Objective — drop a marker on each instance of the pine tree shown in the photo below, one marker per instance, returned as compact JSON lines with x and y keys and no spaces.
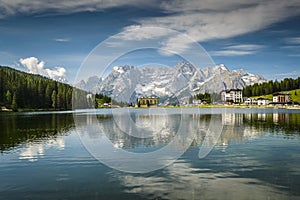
{"x":8,"y":97}
{"x":48,"y":93}
{"x":54,"y":99}
{"x":14,"y":105}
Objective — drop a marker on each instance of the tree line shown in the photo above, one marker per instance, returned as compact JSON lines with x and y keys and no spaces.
{"x":20,"y":90}
{"x":203,"y":97}
{"x":271,"y":87}
{"x":206,"y":97}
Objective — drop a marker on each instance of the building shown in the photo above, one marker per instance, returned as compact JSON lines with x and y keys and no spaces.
{"x":251,"y":101}
{"x":232,"y":96}
{"x":147,"y":101}
{"x":197,"y":101}
{"x":281,"y":98}
{"x":248,"y":101}
{"x":262,"y":101}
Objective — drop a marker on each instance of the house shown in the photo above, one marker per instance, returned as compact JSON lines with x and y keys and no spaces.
{"x":147,"y":101}
{"x":281,"y":98}
{"x":197,"y":101}
{"x":248,"y":101}
{"x":232,"y":96}
{"x":262,"y":101}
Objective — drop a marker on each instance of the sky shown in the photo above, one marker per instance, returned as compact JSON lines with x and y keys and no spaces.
{"x":71,"y":38}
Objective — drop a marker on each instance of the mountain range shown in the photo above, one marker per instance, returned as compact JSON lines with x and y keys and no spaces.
{"x":174,"y":83}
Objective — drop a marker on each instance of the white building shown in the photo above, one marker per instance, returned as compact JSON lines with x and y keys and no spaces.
{"x":251,"y":101}
{"x":232,"y":96}
{"x":281,"y":98}
{"x":262,"y":101}
{"x":248,"y":101}
{"x":197,"y":101}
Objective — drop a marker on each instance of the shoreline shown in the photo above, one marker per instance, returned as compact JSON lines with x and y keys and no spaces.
{"x":295,"y":107}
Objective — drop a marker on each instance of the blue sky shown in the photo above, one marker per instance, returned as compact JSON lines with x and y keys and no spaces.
{"x":262,"y":37}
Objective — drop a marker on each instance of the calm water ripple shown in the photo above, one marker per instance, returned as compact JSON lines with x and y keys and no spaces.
{"x":257,"y":156}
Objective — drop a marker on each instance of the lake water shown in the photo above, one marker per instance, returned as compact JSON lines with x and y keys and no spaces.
{"x":255,"y":154}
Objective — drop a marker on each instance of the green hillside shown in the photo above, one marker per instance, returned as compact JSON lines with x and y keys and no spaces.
{"x":265,"y":90}
{"x":295,"y":95}
{"x":287,"y":84}
{"x":20,"y":90}
{"x":23,"y":91}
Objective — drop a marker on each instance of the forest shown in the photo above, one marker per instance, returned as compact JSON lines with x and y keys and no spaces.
{"x":271,"y":87}
{"x":20,"y":90}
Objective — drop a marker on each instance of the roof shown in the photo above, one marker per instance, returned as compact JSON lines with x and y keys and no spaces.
{"x":229,"y":90}
{"x":276,"y":94}
{"x":147,"y":97}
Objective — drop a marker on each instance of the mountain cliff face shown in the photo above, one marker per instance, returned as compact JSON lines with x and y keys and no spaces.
{"x":175,"y":83}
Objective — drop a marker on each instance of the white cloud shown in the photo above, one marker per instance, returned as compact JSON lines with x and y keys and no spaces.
{"x":34,"y":66}
{"x":12,"y":7}
{"x":231,"y":53}
{"x":293,"y":40}
{"x":216,"y":19}
{"x":139,"y":33}
{"x":291,"y":74}
{"x":245,"y":47}
{"x":290,"y":47}
{"x":238,"y":50}
{"x":61,"y":39}
{"x":202,"y":20}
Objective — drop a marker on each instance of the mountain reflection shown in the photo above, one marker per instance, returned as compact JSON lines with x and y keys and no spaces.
{"x":158,"y":130}
{"x":149,"y":130}
{"x":152,"y":130}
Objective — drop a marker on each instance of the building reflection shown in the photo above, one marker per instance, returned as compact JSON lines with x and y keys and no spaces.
{"x":148,"y":130}
{"x":280,"y":118}
{"x":158,"y":130}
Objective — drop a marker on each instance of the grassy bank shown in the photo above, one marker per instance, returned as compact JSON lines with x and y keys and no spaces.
{"x":295,"y":95}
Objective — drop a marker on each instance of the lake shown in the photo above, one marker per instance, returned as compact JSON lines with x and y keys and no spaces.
{"x":154,"y":153}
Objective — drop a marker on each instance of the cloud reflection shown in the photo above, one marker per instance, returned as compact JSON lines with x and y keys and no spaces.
{"x":182,"y":181}
{"x":33,"y":151}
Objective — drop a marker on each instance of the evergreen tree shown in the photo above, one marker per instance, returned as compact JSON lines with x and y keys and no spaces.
{"x":8,"y":98}
{"x":48,"y":93}
{"x":271,"y":87}
{"x":14,"y":105}
{"x":54,"y":99}
{"x":33,"y":91}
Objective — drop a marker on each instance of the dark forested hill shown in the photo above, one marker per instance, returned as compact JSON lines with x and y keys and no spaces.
{"x":271,"y":87}
{"x":20,"y":90}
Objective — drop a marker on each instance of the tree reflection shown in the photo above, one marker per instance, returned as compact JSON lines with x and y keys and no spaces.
{"x":20,"y":128}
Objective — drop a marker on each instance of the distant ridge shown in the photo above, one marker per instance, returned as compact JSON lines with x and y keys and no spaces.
{"x":126,"y":83}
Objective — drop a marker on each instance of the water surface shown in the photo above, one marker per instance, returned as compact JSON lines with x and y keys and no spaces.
{"x":257,"y":155}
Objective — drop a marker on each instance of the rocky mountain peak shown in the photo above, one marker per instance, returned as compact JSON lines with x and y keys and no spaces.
{"x":126,"y":83}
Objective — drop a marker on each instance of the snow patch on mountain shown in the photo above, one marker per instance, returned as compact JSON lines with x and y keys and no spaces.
{"x":174,"y":83}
